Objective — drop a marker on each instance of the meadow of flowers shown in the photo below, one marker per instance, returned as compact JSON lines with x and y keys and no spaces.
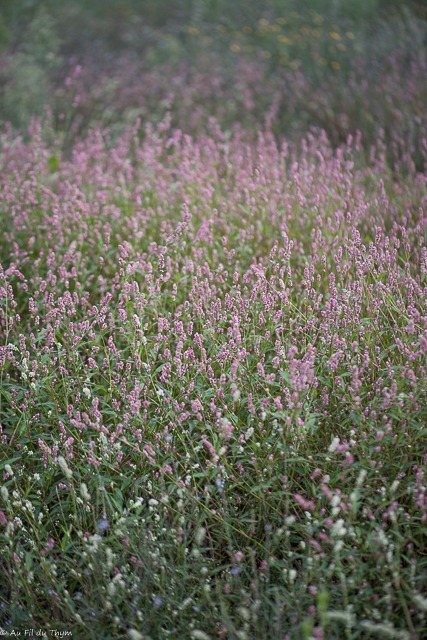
{"x":334,"y":66}
{"x":212,"y":387}
{"x":213,"y":323}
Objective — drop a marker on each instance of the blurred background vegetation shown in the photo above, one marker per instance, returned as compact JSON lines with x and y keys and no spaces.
{"x":336,"y":65}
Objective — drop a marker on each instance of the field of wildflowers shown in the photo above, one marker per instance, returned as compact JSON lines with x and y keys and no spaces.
{"x":213,"y":340}
{"x":335,"y":66}
{"x":213,"y":390}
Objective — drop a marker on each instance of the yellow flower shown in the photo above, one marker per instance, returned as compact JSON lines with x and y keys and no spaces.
{"x":281,"y":21}
{"x":341,"y":46}
{"x":350,"y":35}
{"x":235,"y":47}
{"x":284,"y":40}
{"x":335,"y":65}
{"x":334,"y":35}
